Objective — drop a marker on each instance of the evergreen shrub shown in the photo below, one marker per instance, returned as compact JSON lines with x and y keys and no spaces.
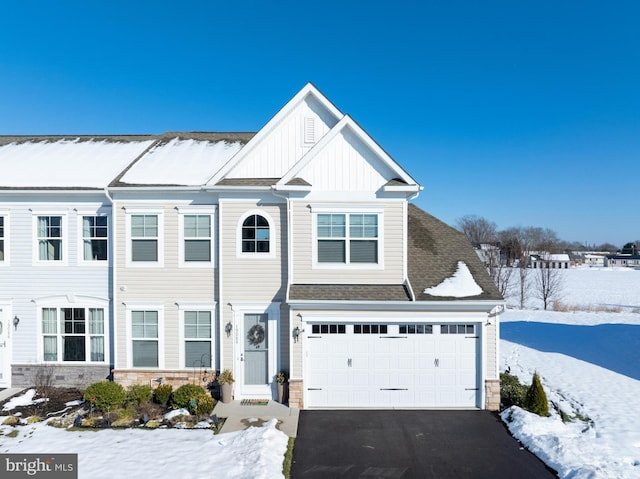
{"x":162,"y":394}
{"x":105,"y":395}
{"x":183,"y":396}
{"x":536,"y":399}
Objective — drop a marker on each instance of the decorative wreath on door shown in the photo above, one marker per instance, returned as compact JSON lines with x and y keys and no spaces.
{"x":256,"y":335}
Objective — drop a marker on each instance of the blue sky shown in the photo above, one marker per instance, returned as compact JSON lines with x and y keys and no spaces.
{"x":526,"y":113}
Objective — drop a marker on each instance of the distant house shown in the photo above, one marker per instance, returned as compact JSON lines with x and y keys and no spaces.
{"x":622,"y":261}
{"x":553,"y":261}
{"x":593,"y":259}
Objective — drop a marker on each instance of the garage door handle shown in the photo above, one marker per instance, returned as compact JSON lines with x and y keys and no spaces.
{"x":314,"y":389}
{"x":393,"y":337}
{"x":471,"y":389}
{"x":436,"y":362}
{"x":394,"y":389}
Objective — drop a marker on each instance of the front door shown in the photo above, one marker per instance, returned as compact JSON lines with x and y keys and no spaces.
{"x":5,"y":361}
{"x":256,"y":364}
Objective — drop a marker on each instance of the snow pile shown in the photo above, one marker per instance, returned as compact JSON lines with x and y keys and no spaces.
{"x":181,"y":162}
{"x":25,"y":399}
{"x":460,"y":285}
{"x":251,"y":454}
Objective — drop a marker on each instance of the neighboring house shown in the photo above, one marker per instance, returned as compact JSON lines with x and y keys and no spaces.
{"x":622,"y":261}
{"x":592,"y":259}
{"x":296,"y":248}
{"x":489,"y":254}
{"x":55,"y":260}
{"x":553,"y":261}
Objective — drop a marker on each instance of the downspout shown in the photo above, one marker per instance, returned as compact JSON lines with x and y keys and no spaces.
{"x":405,"y":273}
{"x":289,"y":273}
{"x":113,"y":282}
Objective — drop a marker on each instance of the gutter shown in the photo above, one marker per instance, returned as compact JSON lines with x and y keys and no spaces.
{"x":485,"y":306}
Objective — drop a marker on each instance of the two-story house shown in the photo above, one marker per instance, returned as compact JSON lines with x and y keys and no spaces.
{"x":296,"y":248}
{"x":55,"y":256}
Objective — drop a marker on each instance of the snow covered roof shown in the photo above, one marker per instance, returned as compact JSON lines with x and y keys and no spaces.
{"x":67,"y":162}
{"x":184,"y":159}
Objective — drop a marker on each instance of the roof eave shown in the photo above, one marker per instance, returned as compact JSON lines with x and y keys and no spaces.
{"x":484,"y":306}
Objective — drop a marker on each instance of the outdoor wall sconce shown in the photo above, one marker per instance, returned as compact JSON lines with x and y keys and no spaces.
{"x":228,"y":328}
{"x":16,"y":321}
{"x":296,"y":333}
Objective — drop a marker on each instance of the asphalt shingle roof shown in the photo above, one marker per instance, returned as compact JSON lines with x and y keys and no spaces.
{"x":348,"y":292}
{"x":434,"y":249}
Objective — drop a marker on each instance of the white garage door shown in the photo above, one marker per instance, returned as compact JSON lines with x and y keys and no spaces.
{"x":428,"y":365}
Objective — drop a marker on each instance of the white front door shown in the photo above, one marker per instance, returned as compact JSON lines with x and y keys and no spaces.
{"x":256,"y":352}
{"x":5,"y":359}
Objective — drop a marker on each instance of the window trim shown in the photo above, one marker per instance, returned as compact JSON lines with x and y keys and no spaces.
{"x":182,"y":308}
{"x":81,"y":213}
{"x":136,"y":306}
{"x":64,"y":248}
{"x":5,"y":237}
{"x":63,"y":302}
{"x":198,"y":210}
{"x":347,"y":211}
{"x":272,"y":236}
{"x":140,"y":210}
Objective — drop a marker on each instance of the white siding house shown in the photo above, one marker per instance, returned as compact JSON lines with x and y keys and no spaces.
{"x":293,"y":248}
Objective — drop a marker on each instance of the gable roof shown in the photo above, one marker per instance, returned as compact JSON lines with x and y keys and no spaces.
{"x":308,"y":90}
{"x":403,"y":179}
{"x":434,"y":250}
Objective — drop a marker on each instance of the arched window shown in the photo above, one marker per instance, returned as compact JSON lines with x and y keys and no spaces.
{"x":255,"y":234}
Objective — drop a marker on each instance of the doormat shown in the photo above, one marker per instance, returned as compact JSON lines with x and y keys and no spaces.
{"x":254,"y":402}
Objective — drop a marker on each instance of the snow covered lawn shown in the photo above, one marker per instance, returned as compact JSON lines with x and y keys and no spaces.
{"x":177,"y":453}
{"x":589,"y":364}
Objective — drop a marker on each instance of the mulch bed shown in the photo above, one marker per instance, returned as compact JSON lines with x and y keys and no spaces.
{"x":56,"y":405}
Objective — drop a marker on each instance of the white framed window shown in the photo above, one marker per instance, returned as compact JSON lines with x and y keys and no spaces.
{"x":4,"y":239}
{"x":198,"y":327}
{"x":95,"y":238}
{"x":50,"y":237}
{"x":256,"y":235}
{"x":196,"y":247}
{"x":145,"y":337}
{"x":145,"y":237}
{"x":347,"y":238}
{"x":73,"y":334}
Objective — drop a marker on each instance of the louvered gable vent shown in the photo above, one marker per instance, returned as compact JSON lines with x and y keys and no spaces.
{"x":309,"y":130}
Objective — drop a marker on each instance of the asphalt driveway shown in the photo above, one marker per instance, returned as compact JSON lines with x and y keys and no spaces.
{"x":410,"y":444}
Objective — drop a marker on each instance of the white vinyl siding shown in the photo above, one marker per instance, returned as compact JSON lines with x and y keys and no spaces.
{"x":176,"y":281}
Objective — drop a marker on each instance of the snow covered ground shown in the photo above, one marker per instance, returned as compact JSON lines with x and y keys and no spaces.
{"x":589,"y":364}
{"x":257,"y":452}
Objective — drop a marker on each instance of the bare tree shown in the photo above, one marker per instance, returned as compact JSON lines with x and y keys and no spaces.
{"x":501,"y":275}
{"x":477,"y":229}
{"x":548,"y":282}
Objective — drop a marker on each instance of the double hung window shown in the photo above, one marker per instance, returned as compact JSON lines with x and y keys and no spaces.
{"x":49,"y":231}
{"x":197,"y":339}
{"x":95,"y":231}
{"x":145,"y":339}
{"x":197,"y":238}
{"x":347,"y":238}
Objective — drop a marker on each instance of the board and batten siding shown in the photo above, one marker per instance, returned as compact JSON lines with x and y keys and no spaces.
{"x":252,"y":278}
{"x":392,"y":237}
{"x":286,"y":144}
{"x":168,"y":285}
{"x":26,"y":284}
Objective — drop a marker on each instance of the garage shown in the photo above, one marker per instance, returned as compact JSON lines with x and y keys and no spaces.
{"x":392,"y":365}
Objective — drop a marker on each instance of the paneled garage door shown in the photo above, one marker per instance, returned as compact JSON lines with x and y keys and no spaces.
{"x":428,"y":365}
